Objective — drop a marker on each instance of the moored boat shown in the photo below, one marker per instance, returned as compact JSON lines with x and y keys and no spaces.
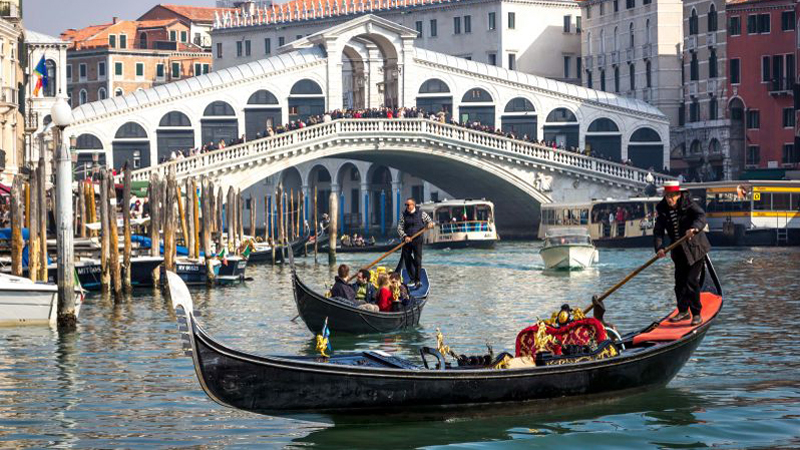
{"x":227,"y":271}
{"x":371,"y":381}
{"x":23,"y":302}
{"x":568,"y":248}
{"x":461,"y":224}
{"x":89,"y":272}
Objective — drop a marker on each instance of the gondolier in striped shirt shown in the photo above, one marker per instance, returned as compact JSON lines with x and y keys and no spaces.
{"x":678,"y":215}
{"x":411,"y":222}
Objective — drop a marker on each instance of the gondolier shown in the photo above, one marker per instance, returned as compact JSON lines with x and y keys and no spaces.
{"x":411,"y":222}
{"x":679,"y":216}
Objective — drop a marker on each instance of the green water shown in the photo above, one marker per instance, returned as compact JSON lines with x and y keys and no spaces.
{"x":121,"y":379}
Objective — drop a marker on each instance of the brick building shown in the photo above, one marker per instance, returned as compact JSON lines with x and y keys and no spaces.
{"x":126,"y":55}
{"x":761,"y":47}
{"x":199,"y":20}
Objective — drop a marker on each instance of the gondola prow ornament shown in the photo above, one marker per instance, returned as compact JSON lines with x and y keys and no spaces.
{"x":323,"y":341}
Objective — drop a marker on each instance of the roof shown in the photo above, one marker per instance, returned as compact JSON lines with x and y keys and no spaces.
{"x":573,"y":90}
{"x":194,"y":84}
{"x":155,"y":23}
{"x":196,"y":13}
{"x":33,"y":37}
{"x":83,"y":33}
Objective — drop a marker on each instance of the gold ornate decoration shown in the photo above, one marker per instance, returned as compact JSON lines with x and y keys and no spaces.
{"x":577,"y":314}
{"x":607,"y":352}
{"x":443,"y":349}
{"x":322,"y":345}
{"x":543,"y":341}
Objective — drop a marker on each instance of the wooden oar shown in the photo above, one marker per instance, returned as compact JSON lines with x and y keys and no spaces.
{"x":598,"y":300}
{"x":396,"y":248}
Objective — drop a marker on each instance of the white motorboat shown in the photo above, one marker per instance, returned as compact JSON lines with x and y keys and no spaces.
{"x":23,"y":302}
{"x":568,"y":248}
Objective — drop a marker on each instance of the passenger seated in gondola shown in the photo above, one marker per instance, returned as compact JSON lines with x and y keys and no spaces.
{"x":400,"y":296}
{"x":340,"y":287}
{"x":365,"y":291}
{"x":384,"y":296}
{"x":346,"y":240}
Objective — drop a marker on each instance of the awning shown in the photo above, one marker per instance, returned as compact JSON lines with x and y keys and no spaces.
{"x":5,"y":190}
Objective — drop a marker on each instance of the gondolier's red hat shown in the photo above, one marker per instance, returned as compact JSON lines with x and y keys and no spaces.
{"x":672,"y":186}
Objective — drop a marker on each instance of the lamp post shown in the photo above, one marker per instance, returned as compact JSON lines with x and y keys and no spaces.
{"x":61,"y":114}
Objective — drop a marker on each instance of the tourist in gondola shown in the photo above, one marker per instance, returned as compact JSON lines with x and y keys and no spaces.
{"x":399,"y":290}
{"x":384,"y":296}
{"x":679,"y":216}
{"x":365,"y":291}
{"x":411,"y":222}
{"x":340,"y":287}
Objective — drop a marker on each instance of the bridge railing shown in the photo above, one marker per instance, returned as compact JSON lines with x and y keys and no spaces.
{"x":229,"y":157}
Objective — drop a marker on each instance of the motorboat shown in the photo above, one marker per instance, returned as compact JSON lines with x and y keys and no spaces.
{"x":24,"y":302}
{"x":568,"y":248}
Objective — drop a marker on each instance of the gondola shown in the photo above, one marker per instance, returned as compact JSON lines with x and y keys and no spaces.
{"x":300,"y":247}
{"x":193,"y":271}
{"x":380,"y":247}
{"x":372,"y":381}
{"x":343,"y":317}
{"x":89,"y":272}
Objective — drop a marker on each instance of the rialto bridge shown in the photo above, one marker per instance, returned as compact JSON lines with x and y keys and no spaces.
{"x":370,"y":62}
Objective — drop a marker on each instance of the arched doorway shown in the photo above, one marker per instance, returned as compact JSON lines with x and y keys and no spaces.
{"x":561,"y":127}
{"x":433,"y":98}
{"x":604,"y":140}
{"x":349,"y":182}
{"x":306,"y":100}
{"x":174,"y":133}
{"x":90,"y":155}
{"x":477,"y":105}
{"x":132,"y":145}
{"x":645,"y":149}
{"x":320,"y":178}
{"x":519,"y":117}
{"x":219,"y":123}
{"x":736,"y":143}
{"x":353,"y":77}
{"x":262,"y":112}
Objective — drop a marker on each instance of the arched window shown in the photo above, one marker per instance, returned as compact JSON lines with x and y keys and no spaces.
{"x":143,"y":40}
{"x":262,"y":97}
{"x":648,"y":68}
{"x":561,"y":115}
{"x":589,"y":42}
{"x":603,"y":125}
{"x":83,"y":97}
{"x":631,"y":40}
{"x":714,"y":147}
{"x":219,"y":108}
{"x":88,"y":141}
{"x":647,"y":36}
{"x":50,"y":90}
{"x":695,"y":148}
{"x":434,"y":86}
{"x":476,"y":95}
{"x":519,"y":105}
{"x":712,"y":64}
{"x":101,"y":94}
{"x":118,"y":92}
{"x":616,"y":79}
{"x":693,"y":22}
{"x":47,"y":120}
{"x":131,"y":130}
{"x":712,"y":108}
{"x":602,"y":41}
{"x":645,"y":134}
{"x":175,"y":119}
{"x":632,"y":72}
{"x":602,"y":79}
{"x":306,"y":87}
{"x":616,"y":38}
{"x":712,"y":18}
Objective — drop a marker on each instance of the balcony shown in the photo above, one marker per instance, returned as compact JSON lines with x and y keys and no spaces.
{"x":629,"y":55}
{"x":713,"y":86}
{"x":601,"y":61}
{"x":711,"y":38}
{"x":615,"y":57}
{"x":781,"y":86}
{"x":647,"y":50}
{"x":691,"y":42}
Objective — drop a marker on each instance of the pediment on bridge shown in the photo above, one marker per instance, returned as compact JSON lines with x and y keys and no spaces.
{"x":363,"y":25}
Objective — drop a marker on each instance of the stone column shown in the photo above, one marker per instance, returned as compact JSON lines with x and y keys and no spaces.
{"x":374,"y":77}
{"x":308,"y":216}
{"x":334,"y":74}
{"x":365,"y":206}
{"x":397,"y":201}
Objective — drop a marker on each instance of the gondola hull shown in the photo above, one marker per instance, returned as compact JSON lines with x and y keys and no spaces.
{"x":314,"y":309}
{"x":89,"y":272}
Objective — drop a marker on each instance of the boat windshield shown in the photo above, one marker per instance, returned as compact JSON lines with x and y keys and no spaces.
{"x":464,"y":218}
{"x":564,"y":236}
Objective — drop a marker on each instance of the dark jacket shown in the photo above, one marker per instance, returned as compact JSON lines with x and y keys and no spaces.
{"x":342,"y":290}
{"x":411,"y":223}
{"x":369,"y":292}
{"x":690,"y":215}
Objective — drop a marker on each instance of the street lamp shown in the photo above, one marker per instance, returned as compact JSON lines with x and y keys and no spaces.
{"x":61,"y":113}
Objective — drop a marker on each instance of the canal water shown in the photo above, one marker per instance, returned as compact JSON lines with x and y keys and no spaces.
{"x":121,"y":379}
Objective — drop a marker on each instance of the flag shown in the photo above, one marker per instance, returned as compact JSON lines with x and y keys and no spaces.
{"x":223,"y":255}
{"x":248,"y":249}
{"x":465,"y":213}
{"x":41,"y":72}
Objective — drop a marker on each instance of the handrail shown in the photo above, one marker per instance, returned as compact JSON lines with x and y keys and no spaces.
{"x":348,"y":128}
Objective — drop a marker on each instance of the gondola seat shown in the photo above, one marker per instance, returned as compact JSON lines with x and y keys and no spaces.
{"x":665,"y":331}
{"x":587,"y":332}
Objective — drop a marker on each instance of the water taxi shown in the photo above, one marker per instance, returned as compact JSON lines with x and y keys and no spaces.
{"x":568,"y":248}
{"x":610,"y":222}
{"x":461,"y":224}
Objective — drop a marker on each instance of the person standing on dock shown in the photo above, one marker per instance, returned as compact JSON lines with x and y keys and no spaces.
{"x":411,"y":222}
{"x":679,"y":216}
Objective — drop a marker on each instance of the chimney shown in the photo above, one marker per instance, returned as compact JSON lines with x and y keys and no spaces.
{"x":114,"y":20}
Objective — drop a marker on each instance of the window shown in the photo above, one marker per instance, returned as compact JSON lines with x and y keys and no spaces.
{"x":123,"y":41}
{"x":467,"y":24}
{"x":631,"y":42}
{"x":712,"y":108}
{"x":267,"y":46}
{"x":101,"y":94}
{"x":616,"y":38}
{"x":588,"y":11}
{"x":281,"y":41}
{"x":456,"y":25}
{"x":69,"y":72}
{"x":137,"y":159}
{"x":753,"y":155}
{"x":118,"y":69}
{"x":239,"y":49}
{"x":734,"y":68}
{"x":139,"y":70}
{"x":648,"y":73}
{"x":758,"y":23}
{"x":206,"y":68}
{"x":735,"y":26}
{"x":602,"y":8}
{"x":647,"y":2}
{"x":712,"y":64}
{"x":765,"y":69}
{"x":630,"y":4}
{"x":219,"y":50}
{"x":82,"y":71}
{"x":616,"y":79}
{"x":247,"y":47}
{"x":632,"y":71}
{"x":578,"y":28}
{"x":647,"y":33}
{"x":712,"y":18}
{"x":788,"y":118}
{"x":492,"y":21}
{"x":101,"y":69}
{"x":184,"y":36}
{"x":790,"y":156}
{"x":512,"y":61}
{"x":492,"y":59}
{"x":567,"y":64}
{"x":753,"y":119}
{"x":512,"y":21}
{"x":160,"y":70}
{"x":602,"y":80}
{"x":763,"y":23}
{"x":694,"y":110}
{"x":176,"y":70}
{"x":789,"y":71}
{"x":616,"y":5}
{"x":694,"y":67}
{"x":83,"y":97}
{"x":434,"y":31}
{"x":787,"y":21}
{"x":143,"y":40}
{"x":578,"y":67}
{"x":173,"y":35}
{"x":589,"y":79}
{"x":118,"y":92}
{"x":418,"y":26}
{"x":112,"y":40}
{"x":752,"y":24}
{"x":567,"y":23}
{"x":198,"y":69}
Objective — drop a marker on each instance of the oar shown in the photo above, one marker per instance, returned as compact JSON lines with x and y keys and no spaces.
{"x":396,"y":248}
{"x":598,"y":300}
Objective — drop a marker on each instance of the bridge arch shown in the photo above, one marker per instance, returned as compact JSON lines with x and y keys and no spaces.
{"x":604,"y":139}
{"x":174,"y":133}
{"x":434,"y":96}
{"x":261,"y":112}
{"x":131,"y":144}
{"x":646,"y":148}
{"x":306,"y":99}
{"x":90,"y":152}
{"x":520,"y":117}
{"x":477,"y":105}
{"x":219,"y":123}
{"x":561,"y":127}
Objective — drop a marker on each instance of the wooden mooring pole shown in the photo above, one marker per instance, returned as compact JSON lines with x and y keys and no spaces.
{"x":17,"y":221}
{"x":105,"y":233}
{"x":116,"y":268}
{"x":153,"y":199}
{"x":333,"y":206}
{"x":126,"y":221}
{"x":208,"y":218}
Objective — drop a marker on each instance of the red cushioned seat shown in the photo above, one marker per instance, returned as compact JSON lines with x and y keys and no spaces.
{"x":666,"y":331}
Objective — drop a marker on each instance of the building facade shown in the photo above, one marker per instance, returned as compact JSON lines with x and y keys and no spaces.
{"x":762,"y":69}
{"x":12,"y":121}
{"x":126,"y":56}
{"x":532,"y":36}
{"x":199,"y":20}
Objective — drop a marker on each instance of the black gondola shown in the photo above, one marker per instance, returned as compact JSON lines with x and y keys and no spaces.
{"x":300,"y":247}
{"x":379,"y":247}
{"x":193,"y":271}
{"x":89,"y":272}
{"x":366,"y":382}
{"x":343,"y":317}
